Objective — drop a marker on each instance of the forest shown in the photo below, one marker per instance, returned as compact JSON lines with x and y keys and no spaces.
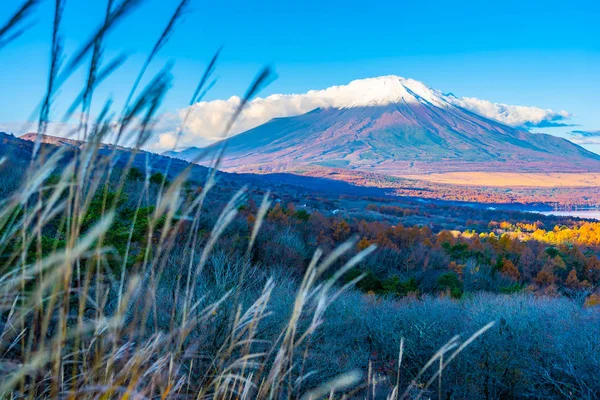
{"x":499,"y":257}
{"x":500,"y":265}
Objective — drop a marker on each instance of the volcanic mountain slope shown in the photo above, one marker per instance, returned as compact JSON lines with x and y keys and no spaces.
{"x":399,"y":126}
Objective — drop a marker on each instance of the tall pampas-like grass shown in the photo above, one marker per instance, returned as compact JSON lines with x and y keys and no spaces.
{"x":80,"y":320}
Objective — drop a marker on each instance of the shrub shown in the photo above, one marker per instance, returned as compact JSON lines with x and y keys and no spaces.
{"x":135,"y":174}
{"x":396,"y":286}
{"x":302,"y":215}
{"x":369,"y":283}
{"x":450,"y":282}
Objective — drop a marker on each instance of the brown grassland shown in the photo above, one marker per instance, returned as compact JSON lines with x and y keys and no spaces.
{"x":512,"y":179}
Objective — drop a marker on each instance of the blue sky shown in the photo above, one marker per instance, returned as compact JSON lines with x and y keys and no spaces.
{"x":536,"y":53}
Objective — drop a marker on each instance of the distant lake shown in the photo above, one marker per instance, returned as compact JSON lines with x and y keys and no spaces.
{"x":591,"y":214}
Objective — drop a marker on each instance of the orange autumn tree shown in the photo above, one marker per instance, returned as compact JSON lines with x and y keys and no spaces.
{"x":363,"y":244}
{"x":572,"y":282}
{"x":545,"y":278}
{"x":341,"y":230}
{"x":510,"y":270}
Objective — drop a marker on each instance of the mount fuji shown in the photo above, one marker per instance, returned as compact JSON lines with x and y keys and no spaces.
{"x":396,"y":126}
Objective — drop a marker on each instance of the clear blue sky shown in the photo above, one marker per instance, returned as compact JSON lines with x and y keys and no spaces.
{"x":539,"y":53}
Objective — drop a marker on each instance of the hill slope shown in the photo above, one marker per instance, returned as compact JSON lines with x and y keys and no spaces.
{"x":17,"y":152}
{"x":139,"y":159}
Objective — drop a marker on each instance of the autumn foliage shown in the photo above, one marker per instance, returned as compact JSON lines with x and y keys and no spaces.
{"x":498,"y":256}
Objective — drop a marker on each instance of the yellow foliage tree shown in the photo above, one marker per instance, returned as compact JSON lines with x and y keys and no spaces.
{"x":592,"y":300}
{"x":363,"y":244}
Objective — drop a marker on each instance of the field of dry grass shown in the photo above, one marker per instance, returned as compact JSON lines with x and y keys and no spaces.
{"x":512,"y":179}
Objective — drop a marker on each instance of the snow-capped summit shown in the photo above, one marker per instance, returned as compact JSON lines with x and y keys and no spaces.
{"x":380,"y":91}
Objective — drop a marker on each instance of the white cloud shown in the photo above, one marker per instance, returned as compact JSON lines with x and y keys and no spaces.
{"x":519,"y":116}
{"x":584,"y":137}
